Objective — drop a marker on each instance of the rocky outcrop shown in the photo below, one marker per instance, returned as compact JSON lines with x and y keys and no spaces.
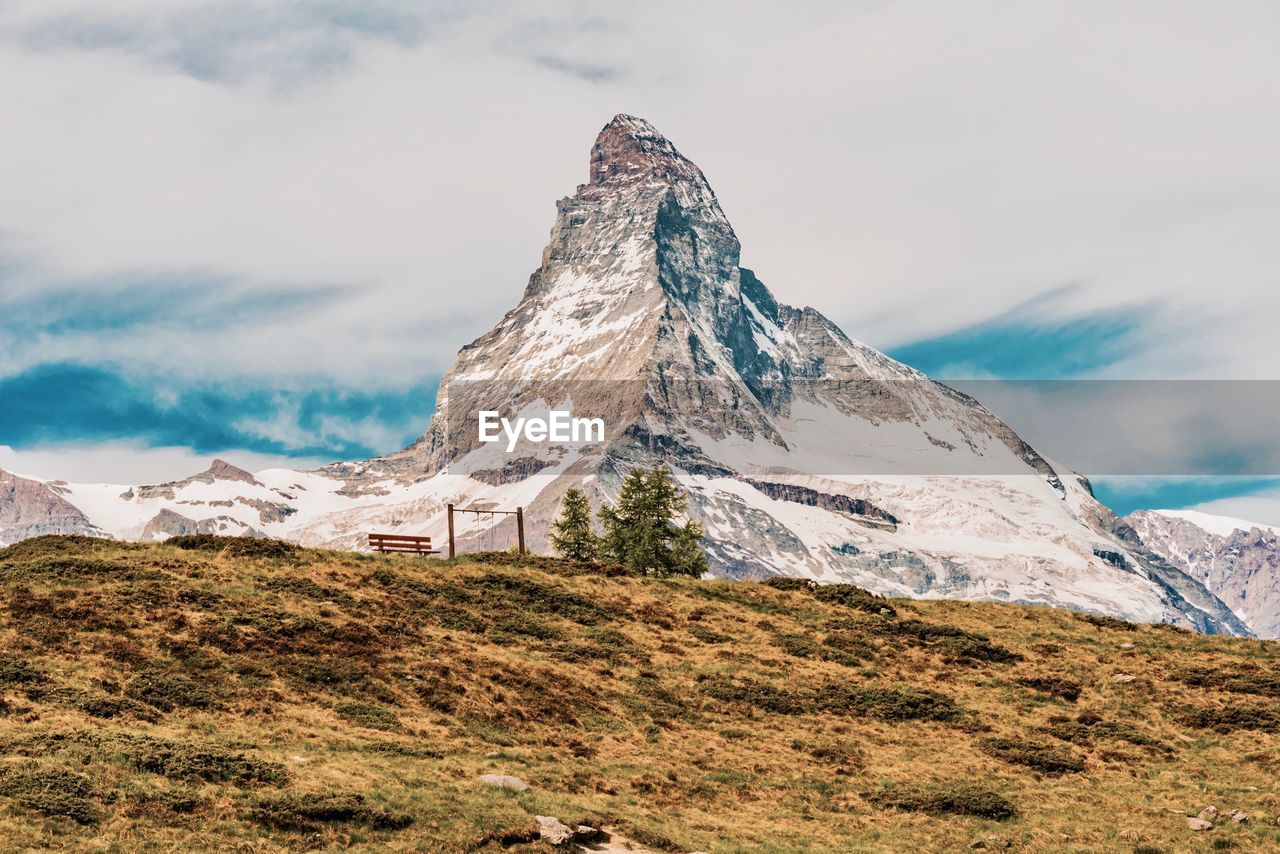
{"x":167,"y":524}
{"x":270,"y":511}
{"x":515,"y":470}
{"x":859,"y":508}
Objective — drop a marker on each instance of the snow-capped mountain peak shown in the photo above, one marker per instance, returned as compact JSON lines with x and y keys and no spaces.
{"x":804,"y":451}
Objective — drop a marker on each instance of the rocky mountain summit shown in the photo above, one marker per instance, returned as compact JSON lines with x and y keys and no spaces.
{"x":804,"y":451}
{"x":1238,"y":561}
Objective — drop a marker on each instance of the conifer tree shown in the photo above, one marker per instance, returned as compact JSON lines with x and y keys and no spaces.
{"x":640,"y":531}
{"x":571,"y":533}
{"x":688,"y":557}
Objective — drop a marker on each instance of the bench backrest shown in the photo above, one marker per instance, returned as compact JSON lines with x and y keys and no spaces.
{"x":401,"y":543}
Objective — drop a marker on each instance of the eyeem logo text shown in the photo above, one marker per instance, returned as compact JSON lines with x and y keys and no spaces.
{"x":558,"y":426}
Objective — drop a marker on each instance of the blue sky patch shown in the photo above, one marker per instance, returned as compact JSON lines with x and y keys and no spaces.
{"x":1124,"y":495}
{"x":1010,"y":347}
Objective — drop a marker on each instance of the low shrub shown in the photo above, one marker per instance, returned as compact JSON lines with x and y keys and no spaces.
{"x":843,"y":757}
{"x":48,"y":545}
{"x":852,"y":596}
{"x":1054,"y":686}
{"x":1102,"y":621}
{"x":1088,"y":728}
{"x":198,"y":762}
{"x":399,"y":748}
{"x":889,"y":704}
{"x":886,"y":704}
{"x":1046,"y":758}
{"x":1237,"y":680}
{"x":802,"y":645}
{"x":707,"y":635}
{"x":955,"y":644}
{"x":166,"y":692}
{"x":498,"y":601}
{"x":1230,"y":717}
{"x":761,"y":695}
{"x":548,"y":564}
{"x":179,"y":801}
{"x":15,"y":671}
{"x":236,"y":546}
{"x":369,"y":715}
{"x":52,"y":791}
{"x":308,"y":589}
{"x":788,"y":582}
{"x":96,"y":704}
{"x":944,"y":799}
{"x":845,"y":595}
{"x":311,"y":812}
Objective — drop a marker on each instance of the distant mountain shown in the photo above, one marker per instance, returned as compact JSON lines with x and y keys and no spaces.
{"x":29,"y":508}
{"x":1238,"y":561}
{"x":805,"y":452}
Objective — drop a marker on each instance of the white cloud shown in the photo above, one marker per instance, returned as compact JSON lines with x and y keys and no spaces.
{"x":129,"y":462}
{"x":1262,"y":507}
{"x":906,"y":168}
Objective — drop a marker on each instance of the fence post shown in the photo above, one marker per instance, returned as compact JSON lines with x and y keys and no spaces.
{"x":520,"y":527}
{"x":451,"y":551}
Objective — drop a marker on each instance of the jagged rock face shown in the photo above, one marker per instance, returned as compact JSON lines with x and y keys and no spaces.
{"x":167,"y":524}
{"x":29,"y":508}
{"x":1238,"y":561}
{"x":803,"y":451}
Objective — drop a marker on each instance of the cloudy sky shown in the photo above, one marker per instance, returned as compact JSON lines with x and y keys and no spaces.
{"x":262,"y":229}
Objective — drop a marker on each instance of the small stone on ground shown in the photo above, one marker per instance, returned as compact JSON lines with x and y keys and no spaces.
{"x":504,"y":781}
{"x":554,"y":830}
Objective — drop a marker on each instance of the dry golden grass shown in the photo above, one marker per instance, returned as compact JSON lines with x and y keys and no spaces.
{"x":261,"y":698}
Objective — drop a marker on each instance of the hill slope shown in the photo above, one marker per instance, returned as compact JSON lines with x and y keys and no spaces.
{"x":242,"y":692}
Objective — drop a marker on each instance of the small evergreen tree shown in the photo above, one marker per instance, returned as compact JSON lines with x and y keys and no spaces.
{"x":688,"y":557}
{"x":640,"y":531}
{"x":571,"y":533}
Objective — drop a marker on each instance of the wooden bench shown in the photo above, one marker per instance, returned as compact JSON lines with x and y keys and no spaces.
{"x":402,"y":543}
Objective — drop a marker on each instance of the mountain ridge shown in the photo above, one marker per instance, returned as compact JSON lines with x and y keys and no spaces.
{"x":1238,"y":561}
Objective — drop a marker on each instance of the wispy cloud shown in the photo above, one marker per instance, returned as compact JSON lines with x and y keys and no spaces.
{"x":591,"y":72}
{"x":124,"y":304}
{"x":60,"y":403}
{"x":231,"y":42}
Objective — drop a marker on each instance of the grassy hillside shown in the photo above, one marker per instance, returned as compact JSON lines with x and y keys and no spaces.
{"x":250,"y":694}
